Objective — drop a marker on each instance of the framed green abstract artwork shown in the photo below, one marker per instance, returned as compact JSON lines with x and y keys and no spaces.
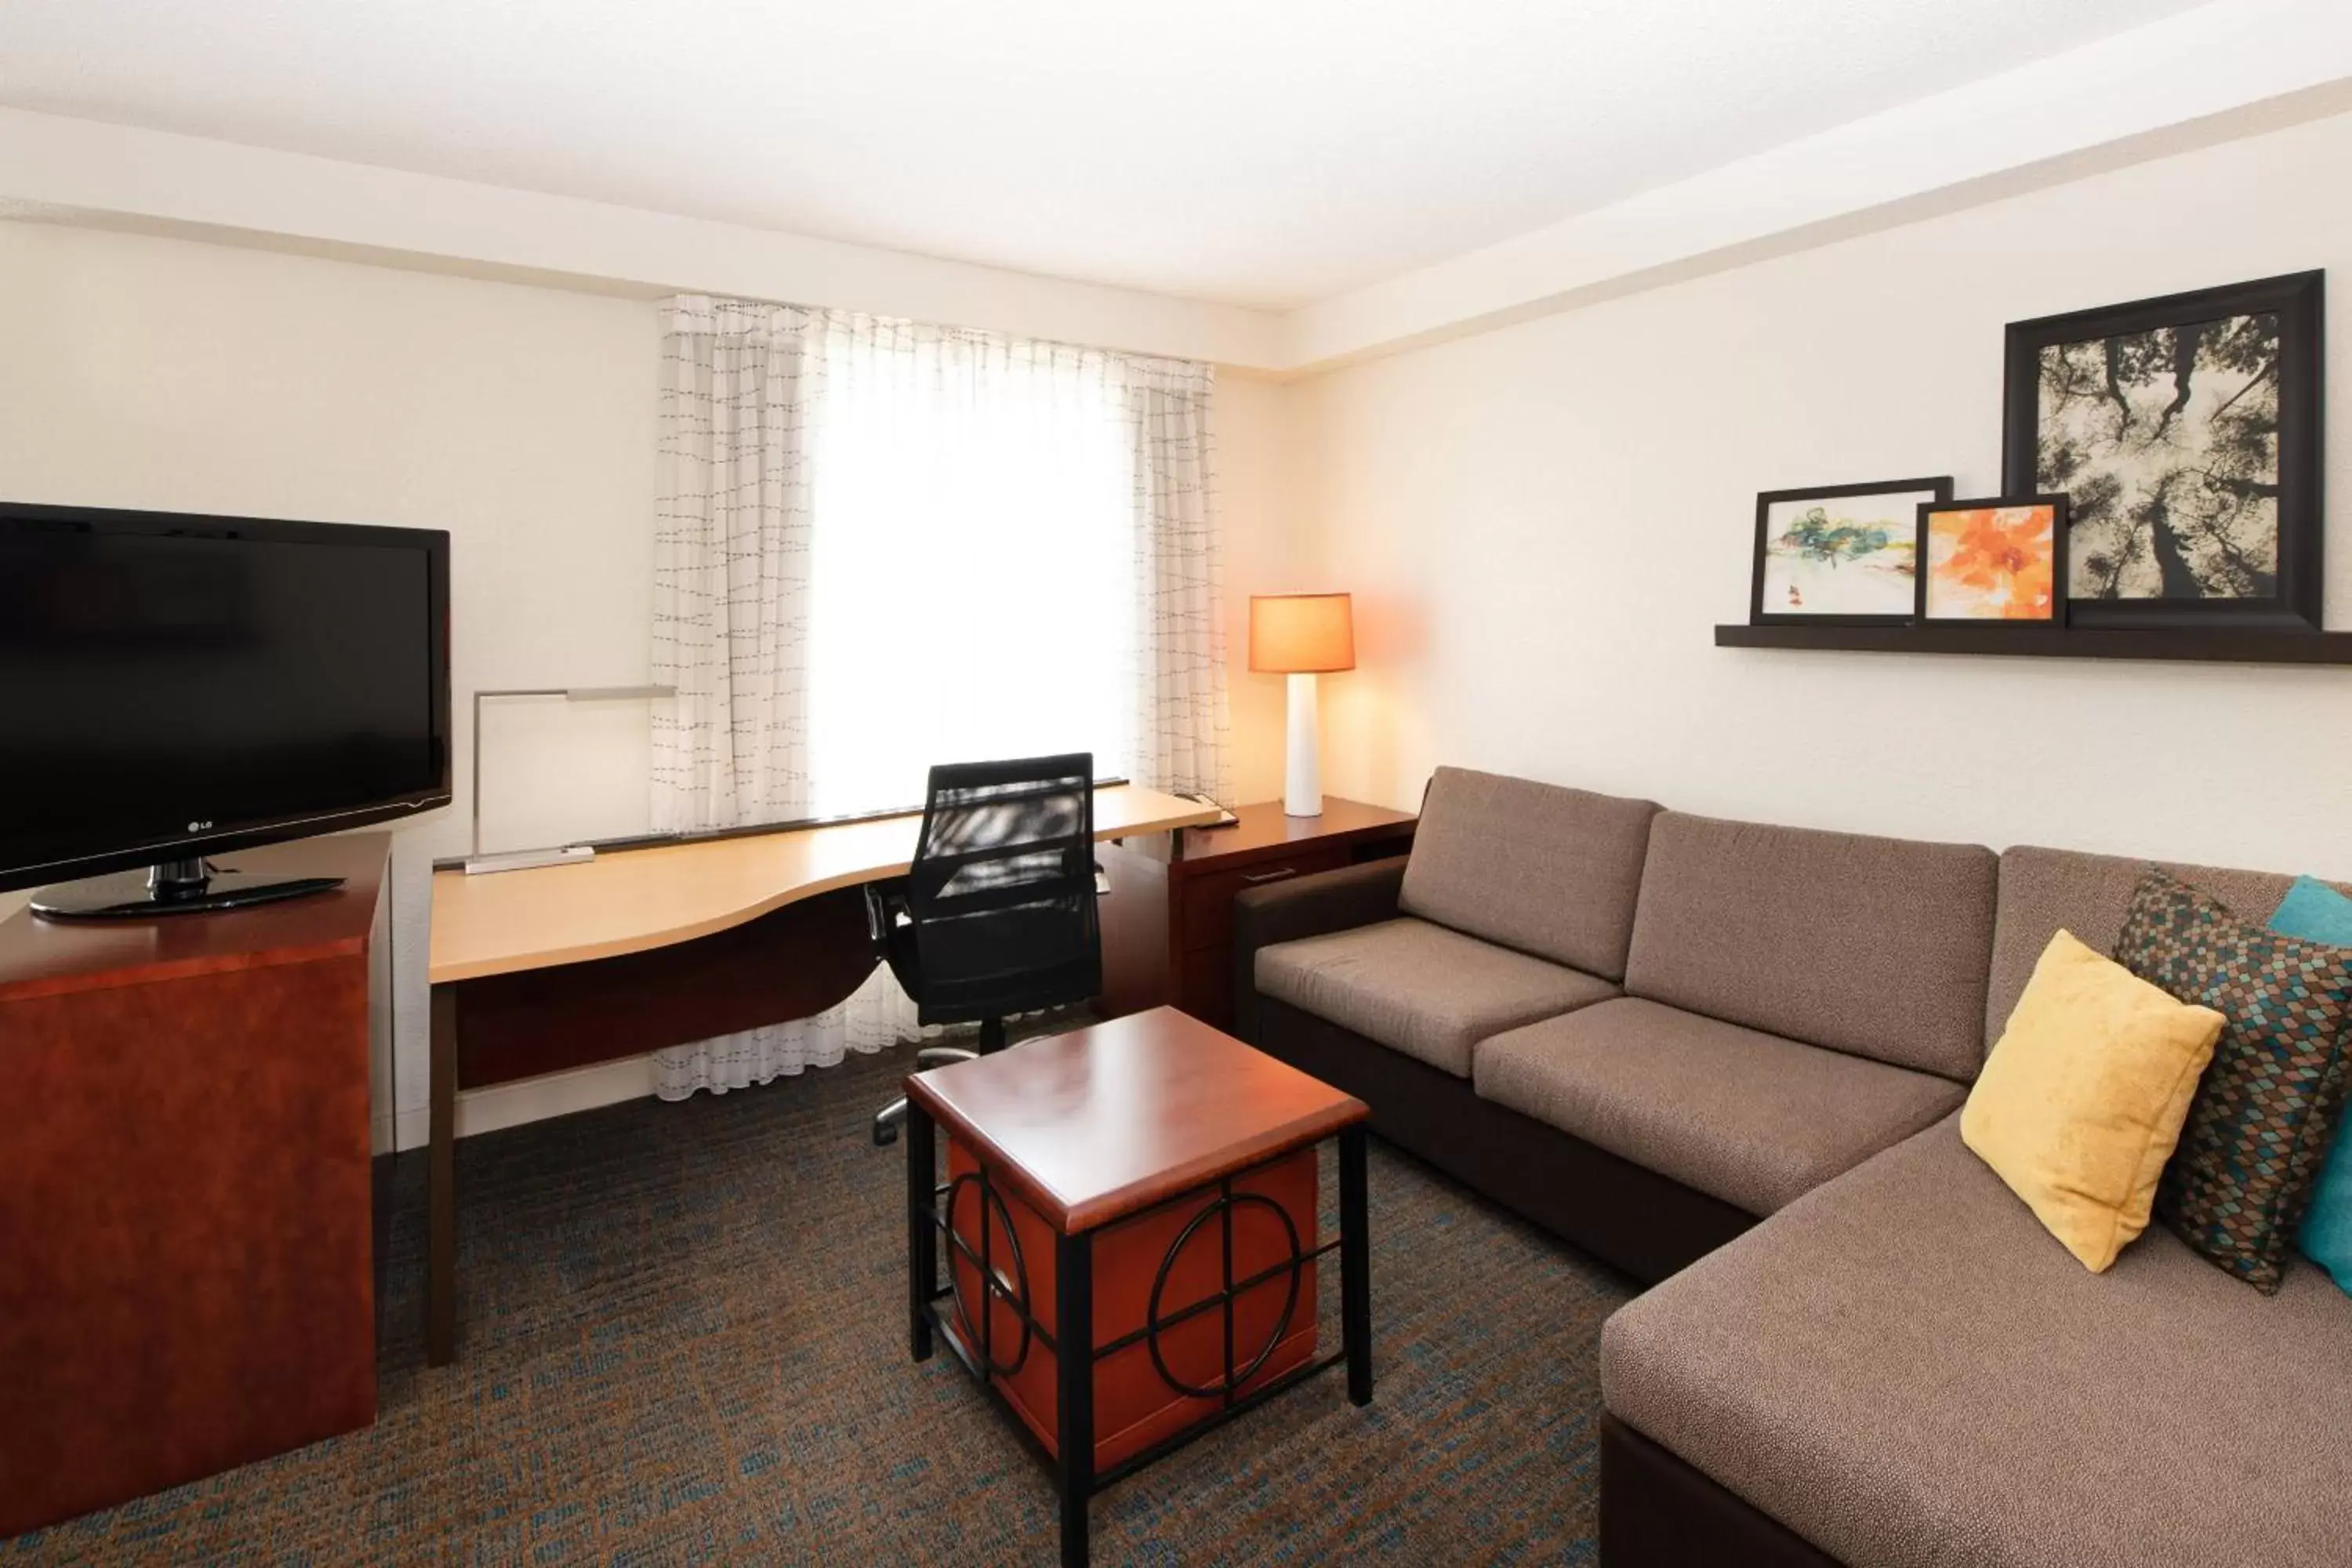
{"x":1840,"y":554}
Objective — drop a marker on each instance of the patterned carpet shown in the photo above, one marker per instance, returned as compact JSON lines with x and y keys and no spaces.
{"x":683,"y":1343}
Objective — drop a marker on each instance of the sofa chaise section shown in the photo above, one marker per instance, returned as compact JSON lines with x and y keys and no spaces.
{"x":1903,"y":1369}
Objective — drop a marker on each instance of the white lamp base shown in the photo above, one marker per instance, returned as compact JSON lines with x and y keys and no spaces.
{"x":1302,"y":794}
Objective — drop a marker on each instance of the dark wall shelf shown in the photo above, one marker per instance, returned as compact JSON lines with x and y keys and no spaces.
{"x":2218,"y":646}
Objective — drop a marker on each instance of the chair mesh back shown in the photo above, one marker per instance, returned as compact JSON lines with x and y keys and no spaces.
{"x":1002,"y":890}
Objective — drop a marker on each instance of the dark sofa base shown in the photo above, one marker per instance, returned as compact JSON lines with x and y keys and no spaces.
{"x":1659,"y":1512}
{"x":1627,"y":1216}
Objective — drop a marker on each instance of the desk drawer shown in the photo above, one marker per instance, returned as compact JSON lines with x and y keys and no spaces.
{"x":1209,"y":900}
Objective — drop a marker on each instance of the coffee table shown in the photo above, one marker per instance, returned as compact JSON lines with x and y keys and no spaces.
{"x":1130,"y":1224}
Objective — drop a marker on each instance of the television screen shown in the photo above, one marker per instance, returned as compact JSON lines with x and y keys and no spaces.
{"x":172,"y":686}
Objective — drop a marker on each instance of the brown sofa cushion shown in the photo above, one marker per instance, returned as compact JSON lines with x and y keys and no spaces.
{"x":1874,"y":946}
{"x":2042,"y":891}
{"x":1419,"y":988}
{"x":1749,"y":1117}
{"x":1549,"y":870}
{"x":1906,"y":1369}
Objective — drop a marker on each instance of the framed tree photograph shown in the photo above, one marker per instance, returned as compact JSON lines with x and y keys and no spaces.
{"x":1839,"y":554}
{"x":1997,"y":561}
{"x":2186,"y":433}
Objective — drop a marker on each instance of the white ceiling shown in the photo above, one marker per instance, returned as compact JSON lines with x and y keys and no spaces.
{"x":1264,"y":152}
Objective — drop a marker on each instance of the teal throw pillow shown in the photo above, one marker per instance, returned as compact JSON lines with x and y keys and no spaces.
{"x":2317,"y":913}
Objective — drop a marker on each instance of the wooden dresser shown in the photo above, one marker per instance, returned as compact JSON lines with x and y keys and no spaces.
{"x":187,"y":1276}
{"x":1168,"y":925}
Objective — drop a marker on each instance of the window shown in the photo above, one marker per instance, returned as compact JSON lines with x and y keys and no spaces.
{"x":972,"y":587}
{"x":880,"y":545}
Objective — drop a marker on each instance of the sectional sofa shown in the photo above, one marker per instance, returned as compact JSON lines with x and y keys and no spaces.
{"x":1729,"y":1059}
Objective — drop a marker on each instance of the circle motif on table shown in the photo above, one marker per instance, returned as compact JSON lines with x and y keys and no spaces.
{"x":1153,"y":1324}
{"x":958,"y":1257}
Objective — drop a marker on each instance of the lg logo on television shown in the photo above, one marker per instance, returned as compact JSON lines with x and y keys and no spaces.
{"x":198,"y":826}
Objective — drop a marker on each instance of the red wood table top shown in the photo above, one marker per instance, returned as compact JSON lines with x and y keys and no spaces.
{"x":44,"y":958}
{"x":1095,"y":1125}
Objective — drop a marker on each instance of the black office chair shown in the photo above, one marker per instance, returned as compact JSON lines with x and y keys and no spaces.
{"x":996,"y":916}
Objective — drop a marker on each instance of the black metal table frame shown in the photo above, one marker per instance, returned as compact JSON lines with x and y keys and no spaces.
{"x":929,"y":1211}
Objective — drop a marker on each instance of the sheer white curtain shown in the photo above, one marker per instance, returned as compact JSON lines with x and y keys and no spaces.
{"x":883,"y":545}
{"x":731,"y":544}
{"x":732,"y":618}
{"x":1179,"y":667}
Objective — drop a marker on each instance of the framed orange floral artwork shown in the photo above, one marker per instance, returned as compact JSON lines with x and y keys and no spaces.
{"x":2002,"y":560}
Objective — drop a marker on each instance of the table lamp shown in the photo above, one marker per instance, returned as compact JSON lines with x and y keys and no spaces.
{"x":1302,"y":635}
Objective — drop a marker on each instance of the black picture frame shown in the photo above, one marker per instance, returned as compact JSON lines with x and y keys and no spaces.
{"x":1941,"y":486}
{"x":2299,"y":301}
{"x":2058,"y":609}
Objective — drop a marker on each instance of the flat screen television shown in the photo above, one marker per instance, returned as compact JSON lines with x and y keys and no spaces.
{"x":175,"y":687}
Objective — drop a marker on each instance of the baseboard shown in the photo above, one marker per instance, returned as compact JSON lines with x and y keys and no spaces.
{"x":533,"y":1100}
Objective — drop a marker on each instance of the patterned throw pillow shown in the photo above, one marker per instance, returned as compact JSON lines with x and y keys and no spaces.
{"x":2261,"y":1123}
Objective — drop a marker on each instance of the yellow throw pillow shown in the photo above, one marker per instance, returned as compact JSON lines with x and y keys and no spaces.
{"x":2083,"y":1096}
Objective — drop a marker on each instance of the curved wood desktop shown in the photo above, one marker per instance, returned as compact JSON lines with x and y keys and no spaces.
{"x":562,"y":966}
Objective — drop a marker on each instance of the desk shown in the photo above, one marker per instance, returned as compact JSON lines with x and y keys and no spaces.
{"x":561,"y":966}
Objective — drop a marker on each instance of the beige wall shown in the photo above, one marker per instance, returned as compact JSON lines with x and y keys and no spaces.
{"x":1266,"y":553}
{"x":142,"y":372}
{"x":137,"y":371}
{"x":1543,"y":524}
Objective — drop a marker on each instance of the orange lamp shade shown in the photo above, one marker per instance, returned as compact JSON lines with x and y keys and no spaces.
{"x":1300,"y":634}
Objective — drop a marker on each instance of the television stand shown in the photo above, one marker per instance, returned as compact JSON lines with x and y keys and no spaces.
{"x":171,"y":888}
{"x":189,"y":1267}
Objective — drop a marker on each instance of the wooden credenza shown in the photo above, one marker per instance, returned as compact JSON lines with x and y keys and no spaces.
{"x":1167,"y":926}
{"x":186,"y":1274}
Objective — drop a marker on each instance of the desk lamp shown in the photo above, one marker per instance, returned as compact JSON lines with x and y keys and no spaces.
{"x":477,"y":863}
{"x":1302,"y":635}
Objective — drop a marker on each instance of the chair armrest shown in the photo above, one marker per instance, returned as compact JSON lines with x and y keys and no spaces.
{"x":1327,"y":901}
{"x":888,"y":927}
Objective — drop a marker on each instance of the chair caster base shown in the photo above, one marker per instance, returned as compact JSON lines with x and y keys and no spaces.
{"x":887,"y":1119}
